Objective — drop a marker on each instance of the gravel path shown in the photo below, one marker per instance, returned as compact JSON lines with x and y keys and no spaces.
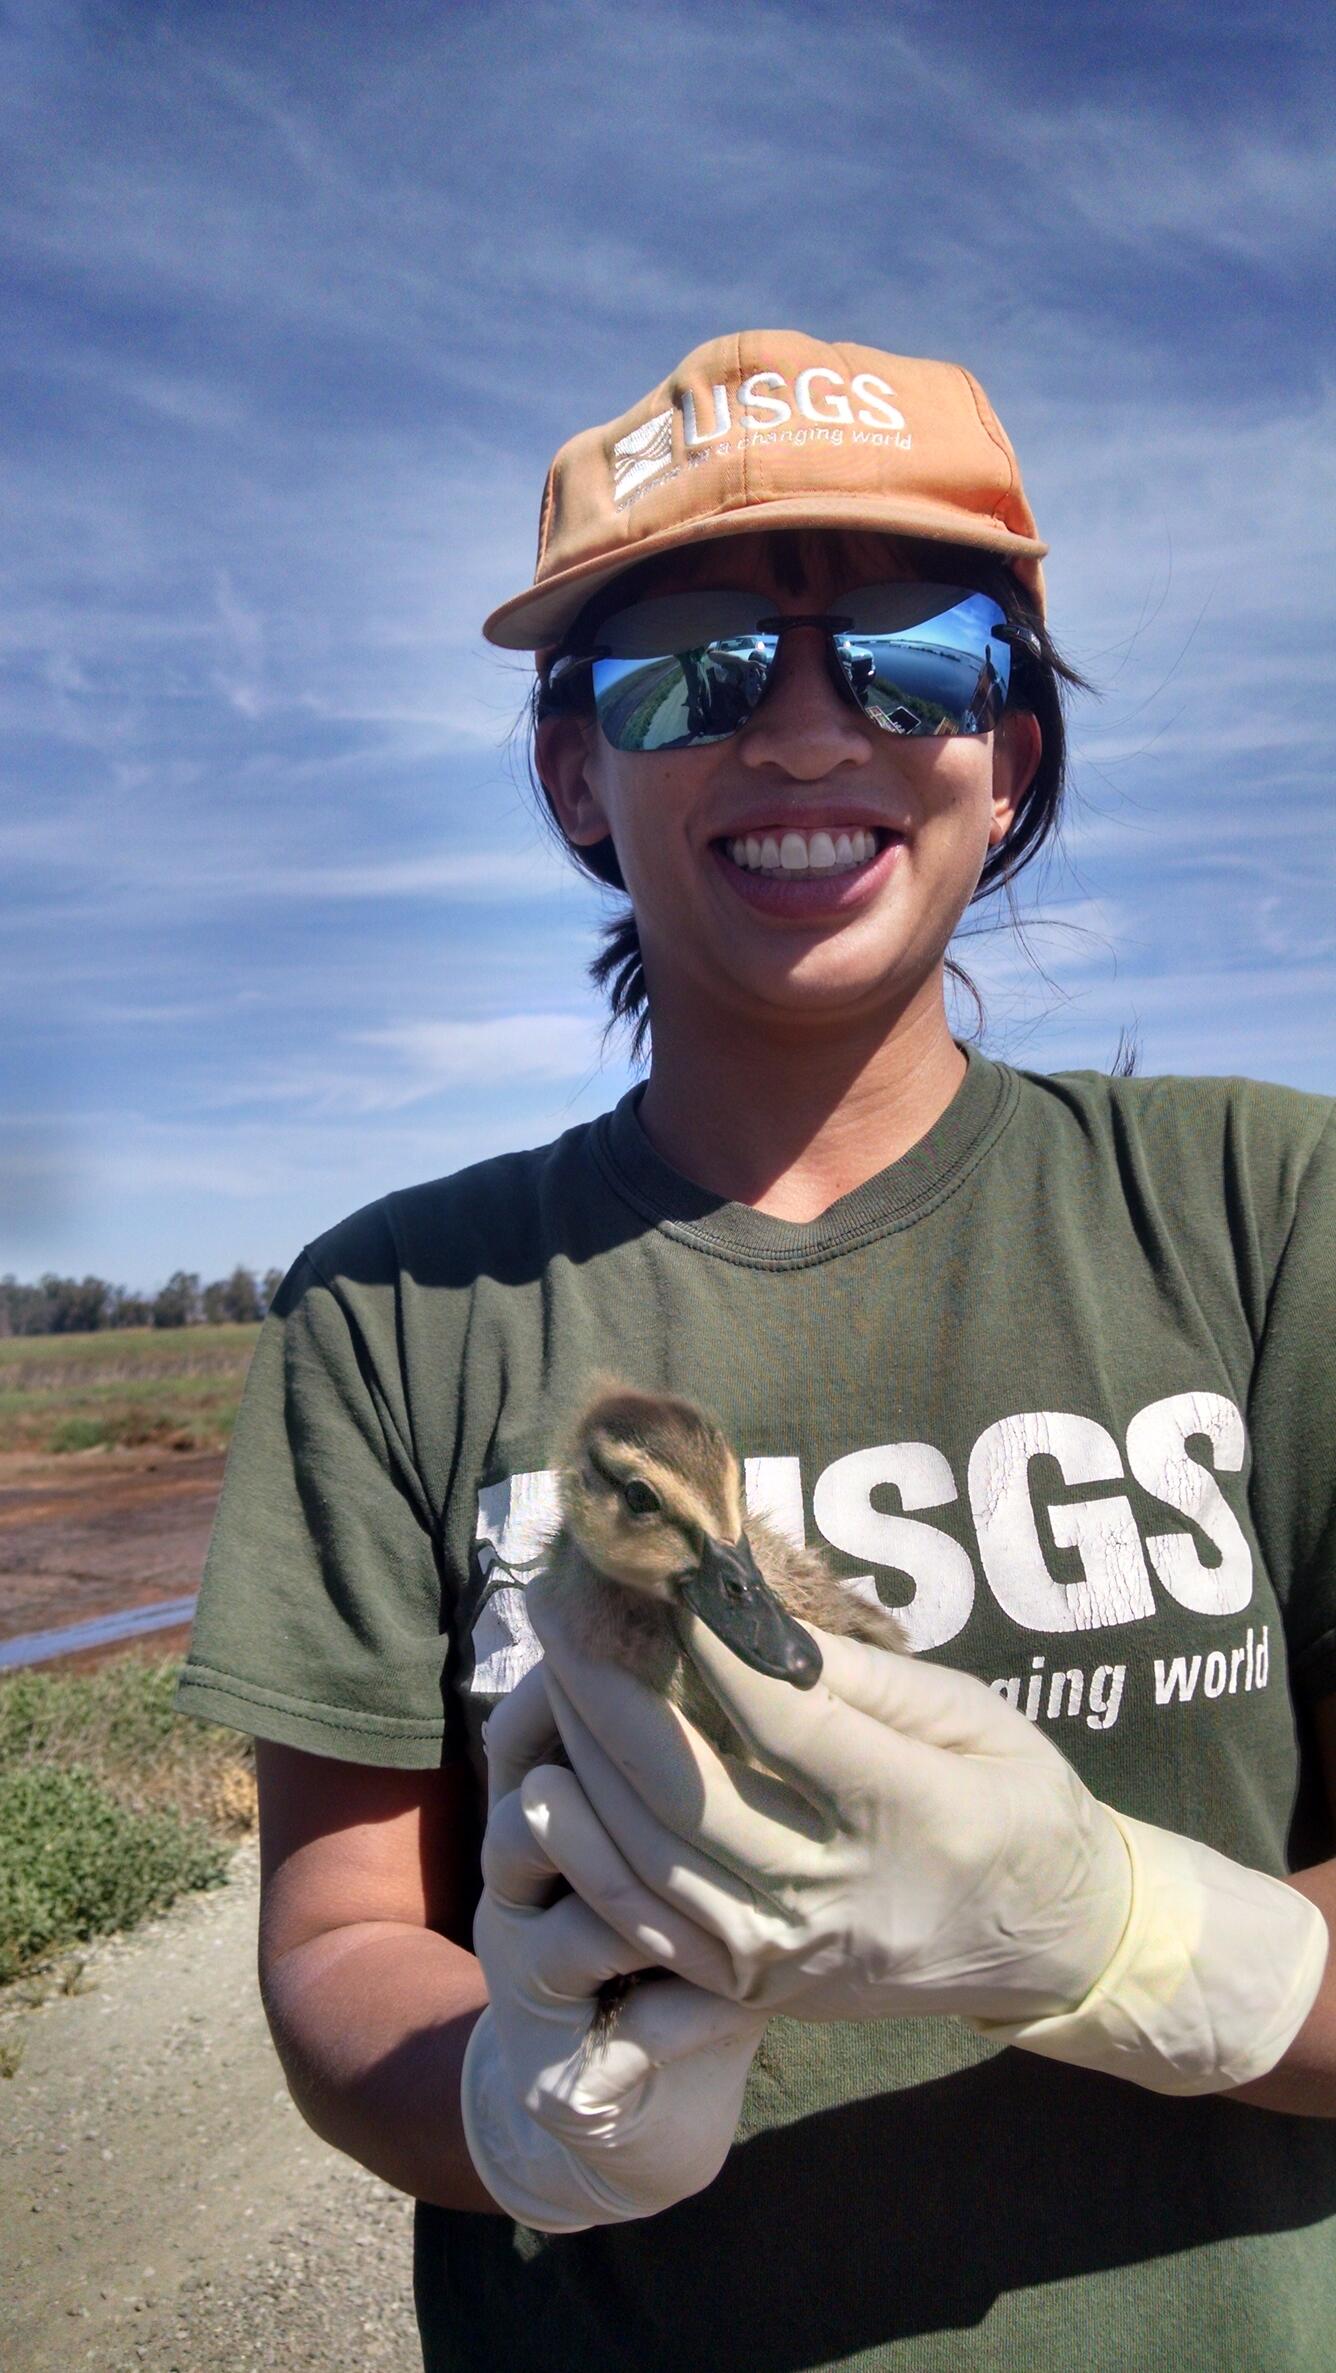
{"x":162,"y":2204}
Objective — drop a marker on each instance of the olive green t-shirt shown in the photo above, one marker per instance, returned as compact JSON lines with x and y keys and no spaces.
{"x":1058,"y":1386}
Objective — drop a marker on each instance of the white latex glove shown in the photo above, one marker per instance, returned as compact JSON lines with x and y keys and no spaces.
{"x":564,"y":2132}
{"x":914,"y":1846}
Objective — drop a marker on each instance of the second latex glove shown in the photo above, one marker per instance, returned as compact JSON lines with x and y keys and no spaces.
{"x":914,"y":1846}
{"x":925,"y":1850}
{"x":568,"y":2131}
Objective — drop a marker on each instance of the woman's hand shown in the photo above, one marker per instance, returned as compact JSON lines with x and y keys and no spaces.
{"x":568,"y":2130}
{"x":914,"y":1845}
{"x":925,"y":1849}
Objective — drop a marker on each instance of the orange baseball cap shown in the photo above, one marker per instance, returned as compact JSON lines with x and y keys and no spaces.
{"x":772,"y":429}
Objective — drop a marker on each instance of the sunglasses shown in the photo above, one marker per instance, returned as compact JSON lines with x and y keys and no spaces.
{"x":691,"y":668}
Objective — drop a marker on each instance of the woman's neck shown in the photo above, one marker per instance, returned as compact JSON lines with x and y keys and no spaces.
{"x":790,"y":1125}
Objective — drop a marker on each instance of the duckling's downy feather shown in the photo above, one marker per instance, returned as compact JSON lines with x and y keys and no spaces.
{"x":621,"y":1570}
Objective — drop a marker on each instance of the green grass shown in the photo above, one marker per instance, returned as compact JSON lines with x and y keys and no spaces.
{"x":177,"y":1387}
{"x":74,"y":1863}
{"x":111,"y":1805}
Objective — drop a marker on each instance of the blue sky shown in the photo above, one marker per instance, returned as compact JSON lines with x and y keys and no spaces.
{"x":303,"y":298}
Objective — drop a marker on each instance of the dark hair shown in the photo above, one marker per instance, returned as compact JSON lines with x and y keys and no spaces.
{"x":1039,"y":683}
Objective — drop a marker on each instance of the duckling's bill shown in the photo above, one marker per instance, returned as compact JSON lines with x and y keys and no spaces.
{"x":728,"y":1593}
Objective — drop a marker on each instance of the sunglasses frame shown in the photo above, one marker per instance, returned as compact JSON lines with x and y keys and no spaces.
{"x":563,"y":677}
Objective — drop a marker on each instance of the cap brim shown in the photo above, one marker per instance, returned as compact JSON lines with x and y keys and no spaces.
{"x":539,"y":617}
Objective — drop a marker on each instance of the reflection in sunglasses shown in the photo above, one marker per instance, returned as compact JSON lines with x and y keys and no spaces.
{"x":945,"y":674}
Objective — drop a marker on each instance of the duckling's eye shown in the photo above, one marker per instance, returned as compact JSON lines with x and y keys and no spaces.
{"x":640,"y":1499}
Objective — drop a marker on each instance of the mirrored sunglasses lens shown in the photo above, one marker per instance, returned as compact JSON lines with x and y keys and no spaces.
{"x":685,"y":669}
{"x":945,"y":675}
{"x":684,"y":699}
{"x":680,"y":622}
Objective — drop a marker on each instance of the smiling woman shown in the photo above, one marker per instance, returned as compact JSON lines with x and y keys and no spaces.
{"x":1021,"y":1356}
{"x":793,"y":562}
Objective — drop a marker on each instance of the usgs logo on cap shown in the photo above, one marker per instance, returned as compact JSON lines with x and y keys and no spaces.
{"x":764,"y":403}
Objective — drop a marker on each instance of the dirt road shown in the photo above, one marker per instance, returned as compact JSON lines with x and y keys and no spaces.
{"x":162,"y":2205}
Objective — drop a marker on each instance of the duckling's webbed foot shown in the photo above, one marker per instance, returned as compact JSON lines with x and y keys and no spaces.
{"x":612,"y":1994}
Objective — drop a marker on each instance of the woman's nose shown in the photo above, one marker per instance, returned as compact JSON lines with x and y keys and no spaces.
{"x":804,"y":725}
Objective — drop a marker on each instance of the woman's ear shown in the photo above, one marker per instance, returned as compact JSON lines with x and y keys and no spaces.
{"x":564,"y":748}
{"x":1017,"y":749}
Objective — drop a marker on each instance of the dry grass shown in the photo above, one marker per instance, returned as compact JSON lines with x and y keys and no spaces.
{"x":117,"y":1723}
{"x":177,"y":1387}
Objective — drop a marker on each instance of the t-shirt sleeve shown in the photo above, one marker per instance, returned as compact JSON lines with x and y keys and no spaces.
{"x":1293,"y":1425}
{"x":320,"y":1617}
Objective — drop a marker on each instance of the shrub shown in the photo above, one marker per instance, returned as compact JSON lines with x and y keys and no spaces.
{"x":75,"y":1863}
{"x":79,"y":1433}
{"x":111,"y":1804}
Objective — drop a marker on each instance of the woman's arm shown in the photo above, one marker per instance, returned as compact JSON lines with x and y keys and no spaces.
{"x":1304,"y":2081}
{"x":364,"y":1884}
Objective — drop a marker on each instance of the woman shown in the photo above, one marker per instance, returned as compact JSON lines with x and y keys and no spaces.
{"x":1037,"y":1357}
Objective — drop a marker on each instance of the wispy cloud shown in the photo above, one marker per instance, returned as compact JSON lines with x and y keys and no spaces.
{"x":467,"y":1054}
{"x":414,"y":1063}
{"x":302,"y":304}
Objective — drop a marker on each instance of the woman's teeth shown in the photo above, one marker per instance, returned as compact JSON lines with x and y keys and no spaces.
{"x":804,"y":852}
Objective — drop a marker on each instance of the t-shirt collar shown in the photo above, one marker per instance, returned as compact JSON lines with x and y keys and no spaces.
{"x":893,"y":1199}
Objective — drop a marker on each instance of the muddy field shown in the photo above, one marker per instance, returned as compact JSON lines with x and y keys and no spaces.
{"x":93,"y":1532}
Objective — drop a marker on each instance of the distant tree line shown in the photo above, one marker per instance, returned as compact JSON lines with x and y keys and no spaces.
{"x":87,"y":1305}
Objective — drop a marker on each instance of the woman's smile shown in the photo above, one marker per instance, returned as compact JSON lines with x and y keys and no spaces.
{"x":786,"y":868}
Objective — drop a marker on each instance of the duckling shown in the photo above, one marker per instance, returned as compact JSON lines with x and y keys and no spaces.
{"x":652,"y":1517}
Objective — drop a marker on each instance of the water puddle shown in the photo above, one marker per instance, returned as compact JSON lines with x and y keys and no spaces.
{"x":100,"y":1631}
